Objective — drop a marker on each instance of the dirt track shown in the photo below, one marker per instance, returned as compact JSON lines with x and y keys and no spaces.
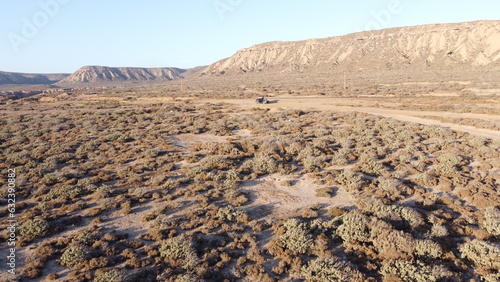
{"x":335,"y":104}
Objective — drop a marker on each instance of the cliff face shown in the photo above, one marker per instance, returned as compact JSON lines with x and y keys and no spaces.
{"x":100,"y":74}
{"x":472,"y":44}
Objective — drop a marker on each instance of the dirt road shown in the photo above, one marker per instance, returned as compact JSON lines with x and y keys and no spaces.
{"x":335,"y":104}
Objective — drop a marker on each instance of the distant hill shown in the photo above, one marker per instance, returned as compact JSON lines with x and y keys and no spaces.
{"x":193,"y":71}
{"x":102,"y":74}
{"x":29,"y":78}
{"x":439,"y":46}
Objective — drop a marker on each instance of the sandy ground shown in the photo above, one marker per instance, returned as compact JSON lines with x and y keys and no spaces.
{"x":270,"y":199}
{"x":338,"y":104}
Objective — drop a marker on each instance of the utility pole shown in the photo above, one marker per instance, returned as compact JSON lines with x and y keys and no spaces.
{"x":345,"y":81}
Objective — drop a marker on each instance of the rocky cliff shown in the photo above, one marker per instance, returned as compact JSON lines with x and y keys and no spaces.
{"x":441,"y":46}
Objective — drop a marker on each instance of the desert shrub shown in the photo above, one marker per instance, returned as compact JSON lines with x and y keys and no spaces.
{"x":438,"y":231}
{"x":371,"y":167}
{"x":264,"y":165}
{"x":414,"y":271}
{"x":194,"y":172}
{"x":312,"y":163}
{"x":391,"y":186}
{"x":229,"y":213}
{"x":351,"y":180}
{"x":427,"y":248}
{"x":110,"y":275}
{"x":181,"y":249}
{"x":103,"y":191}
{"x":354,"y":227}
{"x":232,"y":175}
{"x":494,"y":277}
{"x":330,"y":269}
{"x":86,"y":238}
{"x":328,"y":227}
{"x":341,"y":157}
{"x":34,"y":228}
{"x":392,"y":212}
{"x":308,"y":213}
{"x":70,"y":191}
{"x":171,"y":184}
{"x":426,"y":179}
{"x":492,"y":221}
{"x":482,"y":253}
{"x":75,"y":256}
{"x":392,"y":244}
{"x":326,"y":192}
{"x":447,"y":164}
{"x":335,"y":211}
{"x":150,"y":153}
{"x":188,"y":277}
{"x":296,"y":237}
{"x":213,"y":162}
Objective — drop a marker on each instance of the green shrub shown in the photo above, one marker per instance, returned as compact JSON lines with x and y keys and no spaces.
{"x":213,"y":162}
{"x":351,"y":180}
{"x":414,"y":271}
{"x":75,"y":256}
{"x":392,"y":212}
{"x":355,"y":227}
{"x":330,"y":270}
{"x":229,"y":213}
{"x":492,"y":221}
{"x":371,"y":167}
{"x":427,"y":248}
{"x":188,"y":277}
{"x":495,"y":277}
{"x":264,"y":165}
{"x":296,"y":237}
{"x":86,"y":238}
{"x":111,"y":275}
{"x":34,"y":228}
{"x":180,"y":249}
{"x":482,"y":253}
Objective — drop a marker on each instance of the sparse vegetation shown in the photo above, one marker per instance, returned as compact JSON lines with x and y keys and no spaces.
{"x":202,"y":191}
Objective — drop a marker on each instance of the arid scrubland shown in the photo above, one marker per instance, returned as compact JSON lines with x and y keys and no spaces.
{"x":127,"y":190}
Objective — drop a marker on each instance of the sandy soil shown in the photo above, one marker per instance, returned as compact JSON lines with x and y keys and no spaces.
{"x":270,"y":199}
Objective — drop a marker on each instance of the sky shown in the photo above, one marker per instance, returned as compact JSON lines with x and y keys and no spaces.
{"x":60,"y":36}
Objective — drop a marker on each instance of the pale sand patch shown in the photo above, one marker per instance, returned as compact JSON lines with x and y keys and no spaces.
{"x":188,"y":140}
{"x":270,"y":199}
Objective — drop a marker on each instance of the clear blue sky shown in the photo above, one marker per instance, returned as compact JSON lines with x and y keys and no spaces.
{"x":63,"y":35}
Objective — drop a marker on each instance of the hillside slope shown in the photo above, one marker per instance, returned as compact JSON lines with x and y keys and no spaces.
{"x":29,"y":78}
{"x":102,"y":74}
{"x":441,"y":46}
